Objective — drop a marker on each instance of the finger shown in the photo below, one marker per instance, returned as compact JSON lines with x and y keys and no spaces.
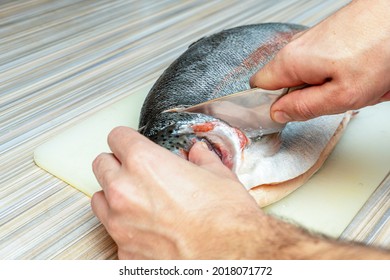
{"x":290,"y":68}
{"x":203,"y":157}
{"x":118,"y":141}
{"x":276,"y":74}
{"x":105,"y":167}
{"x":121,"y":141}
{"x":308,"y":103}
{"x":100,"y":207}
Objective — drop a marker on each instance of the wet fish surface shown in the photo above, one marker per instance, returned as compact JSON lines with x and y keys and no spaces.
{"x":270,"y":167}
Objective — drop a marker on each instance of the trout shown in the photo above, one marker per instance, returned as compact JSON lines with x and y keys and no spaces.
{"x":271,"y":166}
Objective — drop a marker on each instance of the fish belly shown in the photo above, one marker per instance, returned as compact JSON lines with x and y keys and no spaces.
{"x":305,"y":147}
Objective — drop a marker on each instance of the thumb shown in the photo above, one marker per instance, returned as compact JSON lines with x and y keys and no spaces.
{"x":203,"y":157}
{"x":308,"y":103}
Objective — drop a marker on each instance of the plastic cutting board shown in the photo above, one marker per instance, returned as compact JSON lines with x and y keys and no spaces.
{"x":326,"y":203}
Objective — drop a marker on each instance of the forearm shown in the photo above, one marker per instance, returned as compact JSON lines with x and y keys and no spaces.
{"x":155,"y":211}
{"x":276,"y":239}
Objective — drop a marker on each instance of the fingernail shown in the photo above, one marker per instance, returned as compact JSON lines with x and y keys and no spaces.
{"x":204,"y":145}
{"x":281,"y":117}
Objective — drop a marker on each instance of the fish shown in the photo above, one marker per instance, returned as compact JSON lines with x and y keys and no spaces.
{"x":270,"y":166}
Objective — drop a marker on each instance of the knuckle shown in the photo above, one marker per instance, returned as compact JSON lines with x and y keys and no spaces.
{"x":114,"y":193}
{"x":95,"y":200}
{"x":113,"y":227}
{"x":115,"y":133}
{"x":123,"y":195}
{"x":136,"y":152}
{"x":97,"y":161}
{"x":348,"y":97}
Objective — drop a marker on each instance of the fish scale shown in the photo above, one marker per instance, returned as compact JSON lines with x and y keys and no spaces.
{"x":208,"y":68}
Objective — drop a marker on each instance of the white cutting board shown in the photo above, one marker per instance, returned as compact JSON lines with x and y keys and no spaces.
{"x":326,"y":204}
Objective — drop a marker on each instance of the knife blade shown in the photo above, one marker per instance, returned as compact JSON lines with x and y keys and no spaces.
{"x":247,"y":110}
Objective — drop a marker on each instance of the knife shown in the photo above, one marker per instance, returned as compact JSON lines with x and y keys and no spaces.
{"x":247,"y":110}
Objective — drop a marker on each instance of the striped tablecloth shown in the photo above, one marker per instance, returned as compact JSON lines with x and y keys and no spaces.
{"x":61,"y":61}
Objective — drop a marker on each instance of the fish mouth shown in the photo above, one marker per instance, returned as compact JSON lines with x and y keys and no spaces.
{"x":225,"y":141}
{"x":179,"y":131}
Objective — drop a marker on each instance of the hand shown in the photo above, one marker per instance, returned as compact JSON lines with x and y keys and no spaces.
{"x":156,"y":205}
{"x":345,"y":58}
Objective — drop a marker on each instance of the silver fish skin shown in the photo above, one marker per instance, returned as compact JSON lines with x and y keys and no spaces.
{"x":214,"y":66}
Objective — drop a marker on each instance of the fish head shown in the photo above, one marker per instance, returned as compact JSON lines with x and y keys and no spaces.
{"x":178,"y":132}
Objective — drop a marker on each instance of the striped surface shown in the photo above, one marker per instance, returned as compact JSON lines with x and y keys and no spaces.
{"x":61,"y":61}
{"x":372,"y":224}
